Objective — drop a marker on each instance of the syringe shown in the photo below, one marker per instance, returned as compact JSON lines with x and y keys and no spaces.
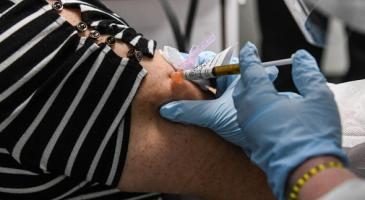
{"x":206,"y":73}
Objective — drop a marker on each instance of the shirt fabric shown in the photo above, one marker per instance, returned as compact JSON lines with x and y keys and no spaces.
{"x":65,"y":102}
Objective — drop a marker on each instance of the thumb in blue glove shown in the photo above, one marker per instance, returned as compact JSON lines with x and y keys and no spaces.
{"x":218,"y":115}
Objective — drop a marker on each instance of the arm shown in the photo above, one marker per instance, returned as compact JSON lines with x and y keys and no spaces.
{"x":172,"y":158}
{"x":281,"y":131}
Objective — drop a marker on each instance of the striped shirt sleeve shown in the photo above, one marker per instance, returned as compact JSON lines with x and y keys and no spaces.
{"x":64,"y":100}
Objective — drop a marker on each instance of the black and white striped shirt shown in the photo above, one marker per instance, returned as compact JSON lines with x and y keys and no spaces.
{"x":64,"y":102}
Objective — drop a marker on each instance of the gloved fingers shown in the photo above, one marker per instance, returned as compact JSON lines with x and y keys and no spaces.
{"x":225,"y":82}
{"x":254,"y":77}
{"x":273,"y":72}
{"x":205,"y":57}
{"x":306,"y":75}
{"x":290,"y":95}
{"x":188,"y":112}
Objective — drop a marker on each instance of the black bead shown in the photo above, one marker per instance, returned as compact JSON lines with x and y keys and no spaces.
{"x":134,"y":54}
{"x":110,"y":40}
{"x":57,"y":5}
{"x":130,"y":53}
{"x":94,"y":34}
{"x":139,"y":55}
{"x":81,"y":27}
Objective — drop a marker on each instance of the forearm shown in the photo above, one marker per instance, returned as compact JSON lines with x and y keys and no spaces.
{"x":322,"y":183}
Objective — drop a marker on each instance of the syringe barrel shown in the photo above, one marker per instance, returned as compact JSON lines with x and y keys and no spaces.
{"x":198,"y":74}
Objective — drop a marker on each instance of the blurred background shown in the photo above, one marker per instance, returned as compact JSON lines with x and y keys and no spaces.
{"x":268,"y":24}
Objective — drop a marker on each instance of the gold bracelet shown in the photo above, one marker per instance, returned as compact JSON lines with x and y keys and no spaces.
{"x":295,"y":190}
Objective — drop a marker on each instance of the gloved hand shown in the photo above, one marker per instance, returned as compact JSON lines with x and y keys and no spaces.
{"x":219,"y":114}
{"x":281,"y":132}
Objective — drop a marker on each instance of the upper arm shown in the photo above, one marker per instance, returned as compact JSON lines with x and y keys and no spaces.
{"x":175,"y":158}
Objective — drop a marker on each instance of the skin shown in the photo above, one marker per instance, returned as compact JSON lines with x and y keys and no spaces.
{"x":174,"y":158}
{"x":178,"y":158}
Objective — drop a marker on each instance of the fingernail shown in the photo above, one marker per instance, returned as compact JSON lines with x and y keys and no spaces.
{"x":302,"y":54}
{"x":249,"y":55}
{"x":165,"y":111}
{"x":272,"y":72}
{"x":250,"y":47}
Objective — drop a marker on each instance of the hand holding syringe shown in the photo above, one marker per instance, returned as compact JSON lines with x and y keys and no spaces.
{"x":212,"y":72}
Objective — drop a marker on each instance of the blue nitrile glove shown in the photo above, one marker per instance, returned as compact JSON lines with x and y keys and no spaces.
{"x":280,"y":133}
{"x":218,"y":115}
